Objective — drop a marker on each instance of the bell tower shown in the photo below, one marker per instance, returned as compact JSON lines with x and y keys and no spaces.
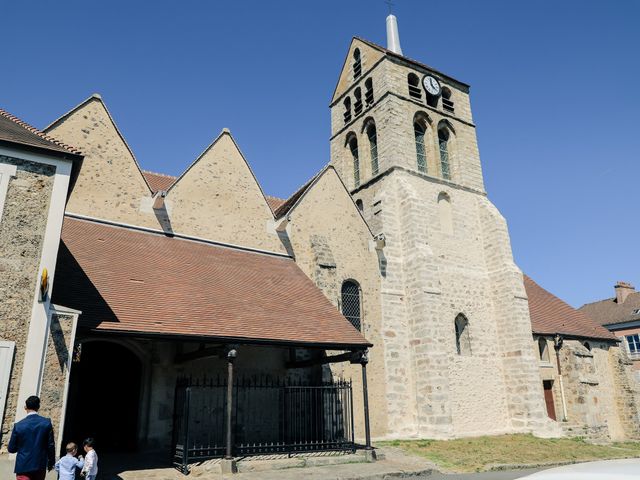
{"x":456,"y":326}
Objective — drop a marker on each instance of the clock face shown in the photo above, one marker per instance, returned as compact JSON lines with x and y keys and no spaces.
{"x":431,"y":85}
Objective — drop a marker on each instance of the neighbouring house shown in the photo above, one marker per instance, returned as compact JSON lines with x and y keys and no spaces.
{"x":620,"y":315}
{"x":35,"y":174}
{"x":589,"y":386}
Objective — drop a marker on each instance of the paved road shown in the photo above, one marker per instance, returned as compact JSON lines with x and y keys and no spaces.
{"x":506,"y":475}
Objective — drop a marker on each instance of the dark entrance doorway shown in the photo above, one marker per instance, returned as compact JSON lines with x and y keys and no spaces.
{"x":104,"y":397}
{"x":548,"y":398}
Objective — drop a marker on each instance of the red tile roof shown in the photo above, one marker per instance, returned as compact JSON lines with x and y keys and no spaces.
{"x":158,"y":181}
{"x":550,"y":315}
{"x":126,"y":280}
{"x":14,"y":130}
{"x":274,"y":202}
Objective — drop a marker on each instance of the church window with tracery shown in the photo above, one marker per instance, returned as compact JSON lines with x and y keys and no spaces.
{"x":443,"y":142}
{"x":419,"y":132}
{"x":350,"y":303}
{"x":373,"y":147}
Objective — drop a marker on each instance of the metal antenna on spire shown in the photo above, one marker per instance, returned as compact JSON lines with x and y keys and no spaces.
{"x":389,"y":4}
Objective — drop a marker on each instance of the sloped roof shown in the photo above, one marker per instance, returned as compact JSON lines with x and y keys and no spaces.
{"x":158,"y":181}
{"x":14,"y":130}
{"x":610,"y":312}
{"x":130,"y":281}
{"x":274,"y":202}
{"x":550,"y":315}
{"x":288,"y":204}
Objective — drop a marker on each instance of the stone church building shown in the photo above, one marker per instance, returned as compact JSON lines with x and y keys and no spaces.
{"x":387,"y":279}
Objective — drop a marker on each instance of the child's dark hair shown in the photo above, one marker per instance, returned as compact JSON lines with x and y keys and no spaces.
{"x":71,"y":447}
{"x":88,"y":442}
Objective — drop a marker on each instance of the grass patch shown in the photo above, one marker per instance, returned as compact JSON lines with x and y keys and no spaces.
{"x":480,"y":453}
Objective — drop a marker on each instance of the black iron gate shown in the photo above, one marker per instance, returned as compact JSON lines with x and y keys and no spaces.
{"x":268,"y":416}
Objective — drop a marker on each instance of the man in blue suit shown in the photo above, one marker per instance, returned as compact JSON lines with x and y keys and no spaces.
{"x":32,"y":440}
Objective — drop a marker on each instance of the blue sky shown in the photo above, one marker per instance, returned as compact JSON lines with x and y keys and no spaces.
{"x":554,"y":95}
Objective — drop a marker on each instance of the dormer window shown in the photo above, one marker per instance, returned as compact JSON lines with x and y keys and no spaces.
{"x":414,"y":86}
{"x":347,"y":110}
{"x":368,"y":92}
{"x":357,"y":64}
{"x":357,"y":105}
{"x":447,"y":103}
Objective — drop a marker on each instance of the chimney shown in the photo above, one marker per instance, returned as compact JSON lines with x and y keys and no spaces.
{"x":623,"y":290}
{"x":393,"y":37}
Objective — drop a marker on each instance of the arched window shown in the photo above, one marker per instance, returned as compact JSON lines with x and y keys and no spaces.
{"x":414,"y":86}
{"x":444,"y":212}
{"x":543,"y":349}
{"x":360,"y":205}
{"x":357,"y":64}
{"x":347,"y":110}
{"x":443,"y":143}
{"x":419,"y":130}
{"x":447,"y":103}
{"x":463,"y":341}
{"x":353,"y":146}
{"x":373,"y":147}
{"x":350,"y":297}
{"x":368,"y":92}
{"x":357,"y":104}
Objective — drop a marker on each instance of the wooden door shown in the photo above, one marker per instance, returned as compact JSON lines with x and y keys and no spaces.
{"x":548,"y":398}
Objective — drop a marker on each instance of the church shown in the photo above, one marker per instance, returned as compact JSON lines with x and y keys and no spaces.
{"x":380,"y":300}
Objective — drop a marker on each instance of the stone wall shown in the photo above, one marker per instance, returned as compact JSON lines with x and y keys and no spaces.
{"x":600,"y":391}
{"x":56,"y":368}
{"x":22,"y":230}
{"x":217,"y":198}
{"x":331,"y":243}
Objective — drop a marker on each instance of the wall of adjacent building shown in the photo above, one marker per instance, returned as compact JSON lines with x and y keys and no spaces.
{"x":22,"y":229}
{"x":600,"y":393}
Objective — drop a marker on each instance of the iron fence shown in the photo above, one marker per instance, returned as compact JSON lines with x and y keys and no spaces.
{"x":268,"y":416}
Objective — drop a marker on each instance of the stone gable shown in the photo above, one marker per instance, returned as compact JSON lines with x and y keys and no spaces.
{"x":218,"y":198}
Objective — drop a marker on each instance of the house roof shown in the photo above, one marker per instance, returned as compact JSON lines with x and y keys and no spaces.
{"x":274,"y":202}
{"x":550,"y":315}
{"x":15,"y":131}
{"x":126,"y":280}
{"x":610,"y":312}
{"x":158,"y":181}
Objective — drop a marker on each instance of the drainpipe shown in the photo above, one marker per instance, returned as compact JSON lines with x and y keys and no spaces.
{"x":231,"y":357}
{"x":557,"y":345}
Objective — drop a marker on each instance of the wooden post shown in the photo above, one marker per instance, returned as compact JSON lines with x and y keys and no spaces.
{"x":231,"y":356}
{"x":364,"y":359}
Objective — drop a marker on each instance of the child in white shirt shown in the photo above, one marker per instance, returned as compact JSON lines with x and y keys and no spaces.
{"x":90,"y":469}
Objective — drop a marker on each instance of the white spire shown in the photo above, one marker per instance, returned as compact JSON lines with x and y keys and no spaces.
{"x":393,"y":37}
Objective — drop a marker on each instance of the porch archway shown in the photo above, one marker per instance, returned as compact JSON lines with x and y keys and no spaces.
{"x":105,"y":388}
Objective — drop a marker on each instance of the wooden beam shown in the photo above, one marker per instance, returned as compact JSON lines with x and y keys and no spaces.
{"x":202,"y":352}
{"x":353,"y":357}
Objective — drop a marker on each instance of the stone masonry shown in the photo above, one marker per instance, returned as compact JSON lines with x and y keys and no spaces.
{"x":21,"y":235}
{"x":435,"y":272}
